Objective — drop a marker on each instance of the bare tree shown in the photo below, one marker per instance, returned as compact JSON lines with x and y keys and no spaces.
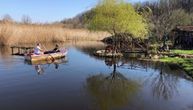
{"x":166,"y":15}
{"x":7,"y":18}
{"x":26,"y":19}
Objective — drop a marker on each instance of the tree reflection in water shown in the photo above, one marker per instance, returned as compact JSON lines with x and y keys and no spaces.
{"x":164,"y":85}
{"x":111,"y":91}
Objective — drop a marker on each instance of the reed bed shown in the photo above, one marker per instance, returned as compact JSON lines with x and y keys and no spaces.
{"x":16,"y":34}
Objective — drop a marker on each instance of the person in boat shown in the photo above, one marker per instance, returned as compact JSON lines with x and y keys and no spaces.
{"x":56,"y":49}
{"x":38,"y":50}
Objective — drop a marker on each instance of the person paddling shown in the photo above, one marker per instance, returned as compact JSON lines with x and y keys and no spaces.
{"x":38,"y":50}
{"x":55,"y":50}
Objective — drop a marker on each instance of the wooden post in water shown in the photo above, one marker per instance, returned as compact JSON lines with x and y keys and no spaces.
{"x":18,"y":50}
{"x":12,"y":50}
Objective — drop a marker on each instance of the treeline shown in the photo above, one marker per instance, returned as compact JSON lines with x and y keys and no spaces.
{"x":76,"y":22}
{"x":25,"y":19}
{"x":162,"y":16}
{"x":166,"y":15}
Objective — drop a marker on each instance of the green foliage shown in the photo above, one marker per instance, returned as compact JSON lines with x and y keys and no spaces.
{"x":172,"y":60}
{"x":117,"y":16}
{"x":182,"y":51}
{"x":153,"y":48}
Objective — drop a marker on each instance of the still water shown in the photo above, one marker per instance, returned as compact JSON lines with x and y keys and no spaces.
{"x":84,"y":82}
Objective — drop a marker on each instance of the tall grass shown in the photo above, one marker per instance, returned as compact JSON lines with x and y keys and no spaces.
{"x":15,"y":34}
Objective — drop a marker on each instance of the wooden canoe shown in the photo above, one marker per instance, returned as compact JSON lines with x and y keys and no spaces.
{"x":45,"y":57}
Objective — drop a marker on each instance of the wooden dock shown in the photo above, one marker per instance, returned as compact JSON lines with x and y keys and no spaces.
{"x":20,"y":51}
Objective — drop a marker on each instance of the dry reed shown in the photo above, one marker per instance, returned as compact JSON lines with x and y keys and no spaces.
{"x":15,"y":34}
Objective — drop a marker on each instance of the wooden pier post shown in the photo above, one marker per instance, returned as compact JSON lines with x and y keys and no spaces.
{"x":18,"y":50}
{"x":12,"y":50}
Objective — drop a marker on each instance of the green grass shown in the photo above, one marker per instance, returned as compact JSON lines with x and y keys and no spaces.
{"x":182,"y":51}
{"x":184,"y":63}
{"x":170,"y":60}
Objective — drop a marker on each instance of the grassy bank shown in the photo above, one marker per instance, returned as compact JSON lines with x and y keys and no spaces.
{"x":182,"y":51}
{"x":14,"y":34}
{"x":184,"y":63}
{"x":175,"y":57}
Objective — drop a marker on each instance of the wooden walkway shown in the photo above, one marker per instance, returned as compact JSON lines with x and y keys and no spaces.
{"x":19,"y":50}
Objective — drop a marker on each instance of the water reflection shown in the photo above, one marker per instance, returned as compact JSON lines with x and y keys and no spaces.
{"x":39,"y":69}
{"x":112,"y":90}
{"x":4,"y":51}
{"x":189,"y":107}
{"x":41,"y":66}
{"x":164,"y":84}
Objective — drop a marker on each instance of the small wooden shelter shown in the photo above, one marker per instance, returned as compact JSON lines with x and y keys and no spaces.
{"x":183,"y":37}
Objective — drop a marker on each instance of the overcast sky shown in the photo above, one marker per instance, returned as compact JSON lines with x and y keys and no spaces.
{"x":46,"y":10}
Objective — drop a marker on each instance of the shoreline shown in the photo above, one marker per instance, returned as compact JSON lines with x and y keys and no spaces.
{"x":186,"y":64}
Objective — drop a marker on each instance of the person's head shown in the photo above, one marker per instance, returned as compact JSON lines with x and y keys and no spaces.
{"x":38,"y":44}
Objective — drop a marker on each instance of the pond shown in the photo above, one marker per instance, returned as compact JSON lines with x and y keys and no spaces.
{"x":82,"y":81}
